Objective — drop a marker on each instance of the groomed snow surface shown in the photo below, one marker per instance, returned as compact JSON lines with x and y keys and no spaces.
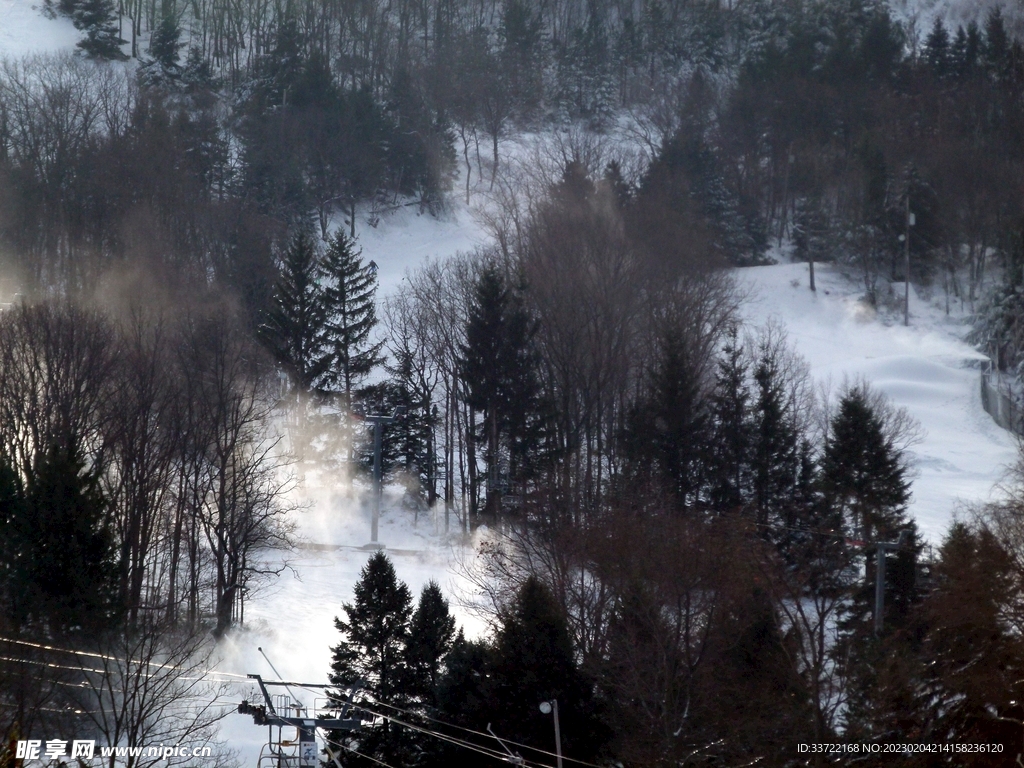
{"x":25,"y":30}
{"x":926,"y":368}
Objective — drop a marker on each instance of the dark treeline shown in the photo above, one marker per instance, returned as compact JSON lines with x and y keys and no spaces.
{"x":140,"y":488}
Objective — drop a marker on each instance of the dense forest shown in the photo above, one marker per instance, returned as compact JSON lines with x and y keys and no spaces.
{"x":683,"y":525}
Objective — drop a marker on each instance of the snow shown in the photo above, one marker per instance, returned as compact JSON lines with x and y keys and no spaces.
{"x":926,"y":368}
{"x":24,"y":30}
{"x":293,"y":621}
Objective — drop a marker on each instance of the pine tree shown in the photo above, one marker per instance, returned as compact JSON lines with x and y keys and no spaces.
{"x":775,"y":456}
{"x":373,"y":654}
{"x":14,"y":510}
{"x":412,"y":434}
{"x":351,"y":315}
{"x":995,"y":51}
{"x":98,"y":18}
{"x":499,"y":366}
{"x":165,"y":42}
{"x":295,"y":327}
{"x":669,"y":428}
{"x":431,"y":635}
{"x":863,"y":472}
{"x":65,"y":569}
{"x":937,"y":50}
{"x":732,"y":430}
{"x":534,"y":661}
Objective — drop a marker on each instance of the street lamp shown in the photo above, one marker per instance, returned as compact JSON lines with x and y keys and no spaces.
{"x":547,"y":707}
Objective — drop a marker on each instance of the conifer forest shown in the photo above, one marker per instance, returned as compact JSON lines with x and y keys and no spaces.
{"x":486,"y":270}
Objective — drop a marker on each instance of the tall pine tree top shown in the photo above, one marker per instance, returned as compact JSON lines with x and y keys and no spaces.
{"x":294,"y":328}
{"x":349,"y":305}
{"x":374,"y":633}
{"x":863,"y":472}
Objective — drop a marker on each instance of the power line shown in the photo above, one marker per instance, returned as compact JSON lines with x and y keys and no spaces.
{"x":451,"y":739}
{"x":359,"y":754}
{"x":485,"y":735}
{"x":108,"y":657}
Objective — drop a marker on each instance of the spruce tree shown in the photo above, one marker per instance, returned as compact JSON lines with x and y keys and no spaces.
{"x":14,"y":513}
{"x":350,"y":315}
{"x":731,"y":430}
{"x":412,"y":433}
{"x":499,"y":367}
{"x":65,"y":567}
{"x":98,"y":18}
{"x":373,"y":654}
{"x":937,"y":50}
{"x":294,"y":328}
{"x":668,"y":429}
{"x":431,"y":635}
{"x":775,"y":455}
{"x":534,"y":661}
{"x":863,"y":472}
{"x":165,"y":43}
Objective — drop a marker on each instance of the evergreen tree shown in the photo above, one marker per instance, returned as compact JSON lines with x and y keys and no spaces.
{"x":732,"y":430}
{"x":98,"y":18}
{"x":995,"y":51}
{"x":937,"y":50}
{"x":863,"y":481}
{"x":350,"y":314}
{"x":499,"y":366}
{"x":533,"y":662}
{"x":413,"y":432}
{"x":776,"y":439}
{"x":14,"y":511}
{"x":530,"y":660}
{"x":669,"y":429}
{"x":295,"y":326}
{"x":431,"y":635}
{"x":373,"y":654}
{"x":63,"y":575}
{"x":165,"y":43}
{"x":863,"y":471}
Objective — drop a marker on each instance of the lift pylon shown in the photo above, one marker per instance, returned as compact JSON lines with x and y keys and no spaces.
{"x":267,"y":714}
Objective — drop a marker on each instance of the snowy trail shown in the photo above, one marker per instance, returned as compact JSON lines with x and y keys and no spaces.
{"x":24,"y":30}
{"x":926,"y":368}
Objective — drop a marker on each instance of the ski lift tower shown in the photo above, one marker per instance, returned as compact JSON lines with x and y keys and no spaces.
{"x":378,"y":420}
{"x":267,"y":714}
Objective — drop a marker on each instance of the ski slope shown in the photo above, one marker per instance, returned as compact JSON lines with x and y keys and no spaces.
{"x":25,"y":30}
{"x":926,"y":368}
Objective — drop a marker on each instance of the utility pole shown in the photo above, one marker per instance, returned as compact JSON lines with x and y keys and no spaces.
{"x":790,"y":160}
{"x":906,"y":262}
{"x":883,"y":547}
{"x":547,"y":707}
{"x":378,"y":420}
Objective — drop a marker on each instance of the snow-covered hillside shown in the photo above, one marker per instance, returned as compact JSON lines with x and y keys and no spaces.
{"x":926,"y":368}
{"x":25,"y":30}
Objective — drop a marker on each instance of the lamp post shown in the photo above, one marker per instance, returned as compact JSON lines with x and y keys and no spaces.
{"x":547,"y":707}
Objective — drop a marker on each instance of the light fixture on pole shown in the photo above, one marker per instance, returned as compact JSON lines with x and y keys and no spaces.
{"x":548,"y":707}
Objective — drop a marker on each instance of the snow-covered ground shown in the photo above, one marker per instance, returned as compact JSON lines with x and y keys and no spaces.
{"x":25,"y":30}
{"x":926,"y":368}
